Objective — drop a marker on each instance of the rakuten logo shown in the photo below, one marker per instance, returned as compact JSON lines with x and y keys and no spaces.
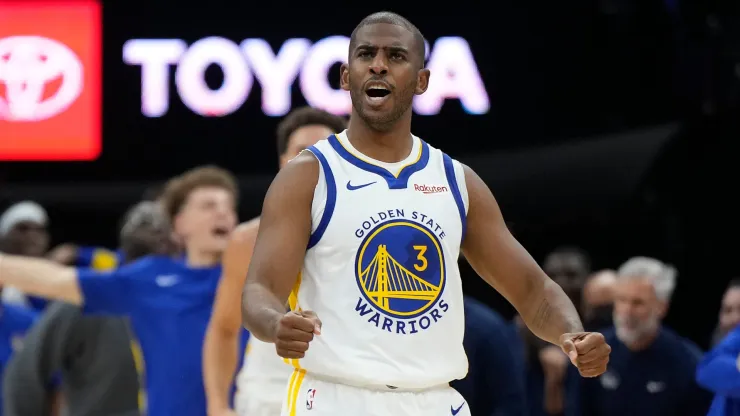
{"x":455,"y":75}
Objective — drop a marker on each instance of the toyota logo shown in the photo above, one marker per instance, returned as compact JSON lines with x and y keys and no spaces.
{"x":42,"y":78}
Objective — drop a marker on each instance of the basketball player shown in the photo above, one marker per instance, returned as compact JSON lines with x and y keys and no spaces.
{"x":364,"y":230}
{"x":261,"y":382}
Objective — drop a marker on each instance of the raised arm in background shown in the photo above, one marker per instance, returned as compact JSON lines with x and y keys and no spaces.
{"x":40,"y":277}
{"x":221,"y":345}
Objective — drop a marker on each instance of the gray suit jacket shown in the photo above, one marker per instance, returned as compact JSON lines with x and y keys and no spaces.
{"x":91,"y":354}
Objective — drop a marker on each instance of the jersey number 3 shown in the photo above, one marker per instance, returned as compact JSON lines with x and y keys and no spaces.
{"x":423,"y":265}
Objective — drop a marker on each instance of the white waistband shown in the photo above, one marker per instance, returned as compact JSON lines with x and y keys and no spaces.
{"x":376,"y":387}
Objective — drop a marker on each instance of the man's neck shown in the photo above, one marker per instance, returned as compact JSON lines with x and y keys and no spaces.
{"x":389,"y":146}
{"x":198,"y":258}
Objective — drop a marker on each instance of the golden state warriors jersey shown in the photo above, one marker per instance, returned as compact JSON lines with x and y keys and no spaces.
{"x":381,"y":268}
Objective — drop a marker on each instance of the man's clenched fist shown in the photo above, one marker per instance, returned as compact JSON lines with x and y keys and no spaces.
{"x":588,"y":351}
{"x":293,"y":333}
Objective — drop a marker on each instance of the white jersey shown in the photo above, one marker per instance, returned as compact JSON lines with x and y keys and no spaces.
{"x":381,"y":268}
{"x":262,"y":365}
{"x":260,"y":384}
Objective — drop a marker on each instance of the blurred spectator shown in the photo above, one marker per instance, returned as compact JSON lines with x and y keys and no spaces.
{"x":23,"y":231}
{"x":651,"y":371}
{"x":260,"y":383}
{"x":729,"y":313}
{"x":168,"y":300}
{"x":494,"y":385}
{"x":598,"y":300}
{"x":94,"y":354}
{"x":568,"y":267}
{"x":548,"y":379}
{"x":719,"y":371}
{"x":14,"y":322}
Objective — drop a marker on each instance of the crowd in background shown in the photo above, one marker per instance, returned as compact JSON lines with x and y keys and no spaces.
{"x":93,"y":365}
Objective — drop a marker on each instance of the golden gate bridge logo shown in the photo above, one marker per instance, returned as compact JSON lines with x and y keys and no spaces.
{"x":400,"y":269}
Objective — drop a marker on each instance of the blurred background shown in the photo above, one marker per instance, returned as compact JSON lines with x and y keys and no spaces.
{"x":610,"y":125}
{"x":602,"y":124}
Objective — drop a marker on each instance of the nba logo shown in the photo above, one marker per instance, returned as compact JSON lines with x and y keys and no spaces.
{"x":309,"y":398}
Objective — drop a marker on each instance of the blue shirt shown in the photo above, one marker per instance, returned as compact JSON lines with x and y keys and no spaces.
{"x":494,"y":385}
{"x":718,"y":373}
{"x":169,"y":305}
{"x":657,"y":381}
{"x":14,"y":322}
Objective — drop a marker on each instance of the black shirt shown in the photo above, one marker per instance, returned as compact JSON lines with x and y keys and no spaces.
{"x":657,"y":381}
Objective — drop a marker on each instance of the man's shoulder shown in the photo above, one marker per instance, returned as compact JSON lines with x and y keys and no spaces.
{"x":148,"y":265}
{"x":683,"y":345}
{"x":246,"y":230}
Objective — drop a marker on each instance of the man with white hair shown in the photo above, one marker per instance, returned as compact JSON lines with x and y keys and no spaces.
{"x":651,"y":371}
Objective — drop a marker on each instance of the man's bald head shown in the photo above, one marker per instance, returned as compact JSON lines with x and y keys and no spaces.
{"x":397,"y":20}
{"x":598,"y":300}
{"x":599,"y":288}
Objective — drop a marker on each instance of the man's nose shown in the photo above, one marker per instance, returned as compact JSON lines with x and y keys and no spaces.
{"x":379,"y":65}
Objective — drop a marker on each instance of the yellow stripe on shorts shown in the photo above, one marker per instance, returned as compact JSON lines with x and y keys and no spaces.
{"x":294,"y":387}
{"x":293,"y":304}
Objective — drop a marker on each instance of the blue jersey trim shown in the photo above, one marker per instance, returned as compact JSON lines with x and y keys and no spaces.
{"x":452,"y":180}
{"x":399,"y":181}
{"x":331,"y":198}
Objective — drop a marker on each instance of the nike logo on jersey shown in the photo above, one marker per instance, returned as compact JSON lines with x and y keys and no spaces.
{"x":354,"y":188}
{"x":167,"y":280}
{"x":456,"y":411}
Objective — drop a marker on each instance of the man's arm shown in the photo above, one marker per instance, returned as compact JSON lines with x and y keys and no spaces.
{"x":502,"y":262}
{"x":30,"y":370}
{"x":285,"y":227}
{"x":41,"y":278}
{"x":111,"y":292}
{"x":220,"y":348}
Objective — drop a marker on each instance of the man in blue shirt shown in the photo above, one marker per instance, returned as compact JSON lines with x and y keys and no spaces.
{"x":93,"y":354}
{"x":168,"y":300}
{"x":651,"y":370}
{"x":729,"y":312}
{"x":494,"y":385}
{"x":719,"y":372}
